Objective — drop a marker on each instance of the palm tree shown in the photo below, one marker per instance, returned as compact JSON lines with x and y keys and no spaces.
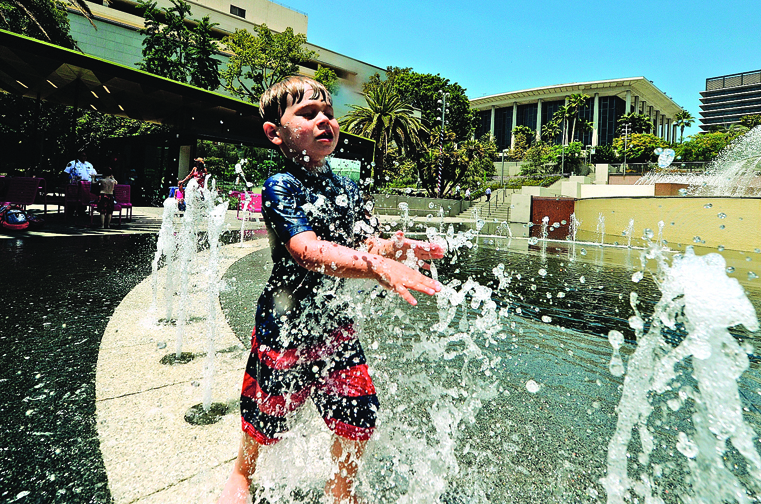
{"x":387,"y":120}
{"x":576,"y":103}
{"x":683,"y":120}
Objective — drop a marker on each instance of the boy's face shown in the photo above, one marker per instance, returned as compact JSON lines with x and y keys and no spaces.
{"x":308,"y":132}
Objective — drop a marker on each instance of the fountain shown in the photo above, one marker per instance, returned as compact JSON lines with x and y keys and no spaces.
{"x":503,"y":388}
{"x":733,"y":173}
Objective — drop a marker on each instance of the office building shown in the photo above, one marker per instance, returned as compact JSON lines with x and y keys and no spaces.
{"x":608,"y":101}
{"x":728,"y":98}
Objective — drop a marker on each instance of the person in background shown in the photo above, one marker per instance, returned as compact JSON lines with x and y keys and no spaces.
{"x":80,"y":169}
{"x":106,"y":198}
{"x":488,"y":193}
{"x":198,"y":172}
{"x":467,"y":194}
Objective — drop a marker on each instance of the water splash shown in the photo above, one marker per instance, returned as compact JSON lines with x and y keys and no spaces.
{"x":601,"y":228}
{"x":731,"y":173}
{"x":628,"y":232}
{"x":697,"y":294}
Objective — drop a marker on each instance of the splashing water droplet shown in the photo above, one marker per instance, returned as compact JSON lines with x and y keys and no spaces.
{"x":682,"y":192}
{"x":431,"y":205}
{"x":616,"y":339}
{"x":533,"y":240}
{"x":583,"y":251}
{"x":306,"y":159}
{"x":720,"y":248}
{"x":722,"y":226}
{"x":546,"y":319}
{"x":697,"y":239}
{"x":532,"y":386}
{"x":708,"y":205}
{"x":346,"y":141}
{"x":752,"y":276}
{"x":637,"y":276}
{"x":686,"y":447}
{"x":582,"y":279}
{"x":730,"y":269}
{"x":342,"y":200}
{"x":543,"y":272}
{"x":649,"y":233}
{"x":721,"y":215}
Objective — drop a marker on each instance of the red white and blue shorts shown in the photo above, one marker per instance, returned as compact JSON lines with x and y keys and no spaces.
{"x":333,"y":374}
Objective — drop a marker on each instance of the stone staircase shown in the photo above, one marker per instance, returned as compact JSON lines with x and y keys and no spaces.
{"x":497,"y":208}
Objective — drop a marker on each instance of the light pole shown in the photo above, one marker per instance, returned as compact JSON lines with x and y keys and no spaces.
{"x":504,"y":153}
{"x":627,"y":130}
{"x":443,"y":102}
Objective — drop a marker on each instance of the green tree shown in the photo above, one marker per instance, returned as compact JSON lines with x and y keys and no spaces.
{"x":640,"y":148}
{"x":41,"y":19}
{"x":423,"y":92}
{"x":576,"y":103}
{"x":751,"y":121}
{"x":640,"y":123}
{"x":172,"y":50}
{"x":203,"y":67}
{"x":551,"y":130}
{"x":262,"y":59}
{"x":683,"y":119}
{"x":703,"y":147}
{"x":539,"y":159}
{"x":462,"y":164}
{"x":327,"y":77}
{"x":523,"y":137}
{"x":388,"y":121}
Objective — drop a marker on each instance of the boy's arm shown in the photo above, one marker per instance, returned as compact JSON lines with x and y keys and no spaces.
{"x":337,"y":260}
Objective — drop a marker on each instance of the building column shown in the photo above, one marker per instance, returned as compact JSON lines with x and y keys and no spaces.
{"x":538,"y":119}
{"x":628,"y":108}
{"x":491,"y":125}
{"x":515,"y":121}
{"x":183,"y":162}
{"x":656,"y":123}
{"x":596,"y":116}
{"x":636,"y":105}
{"x":673,"y":132}
{"x":667,"y":127}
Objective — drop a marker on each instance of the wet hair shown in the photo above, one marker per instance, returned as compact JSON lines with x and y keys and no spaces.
{"x":274,"y":100}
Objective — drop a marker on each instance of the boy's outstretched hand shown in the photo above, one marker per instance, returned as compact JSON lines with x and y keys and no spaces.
{"x":402,"y":279}
{"x":423,"y":250}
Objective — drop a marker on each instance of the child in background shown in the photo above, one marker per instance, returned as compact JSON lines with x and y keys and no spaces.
{"x":304,"y":346}
{"x":106,"y":198}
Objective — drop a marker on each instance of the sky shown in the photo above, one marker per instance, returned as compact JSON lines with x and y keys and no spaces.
{"x":497,"y":46}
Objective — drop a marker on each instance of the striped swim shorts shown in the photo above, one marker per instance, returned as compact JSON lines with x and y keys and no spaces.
{"x":333,"y":374}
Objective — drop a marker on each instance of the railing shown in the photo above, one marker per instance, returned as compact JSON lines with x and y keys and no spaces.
{"x":643,"y":168}
{"x":733,"y":80}
{"x":498,"y":198}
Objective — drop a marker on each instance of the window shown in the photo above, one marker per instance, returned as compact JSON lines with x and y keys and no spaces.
{"x":237,"y":11}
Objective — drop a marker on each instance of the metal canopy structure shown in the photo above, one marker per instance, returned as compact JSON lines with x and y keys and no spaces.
{"x":43,"y":71}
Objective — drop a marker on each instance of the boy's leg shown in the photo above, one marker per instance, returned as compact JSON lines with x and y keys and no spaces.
{"x":236,"y":489}
{"x":345,"y":454}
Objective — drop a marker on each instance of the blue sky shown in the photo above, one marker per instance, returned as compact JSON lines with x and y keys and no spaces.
{"x":495,"y":46}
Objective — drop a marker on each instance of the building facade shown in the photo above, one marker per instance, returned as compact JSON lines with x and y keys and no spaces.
{"x":608,"y":101}
{"x":117,"y":39}
{"x":728,"y":98}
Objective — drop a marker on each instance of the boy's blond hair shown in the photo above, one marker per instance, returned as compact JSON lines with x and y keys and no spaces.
{"x":274,"y":100}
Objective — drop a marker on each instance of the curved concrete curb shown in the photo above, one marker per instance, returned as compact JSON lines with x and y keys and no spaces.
{"x":151,"y":454}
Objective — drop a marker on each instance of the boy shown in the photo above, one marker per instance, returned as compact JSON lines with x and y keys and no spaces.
{"x":303,"y":345}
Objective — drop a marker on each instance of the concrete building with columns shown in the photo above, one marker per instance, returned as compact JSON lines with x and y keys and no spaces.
{"x":608,"y":101}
